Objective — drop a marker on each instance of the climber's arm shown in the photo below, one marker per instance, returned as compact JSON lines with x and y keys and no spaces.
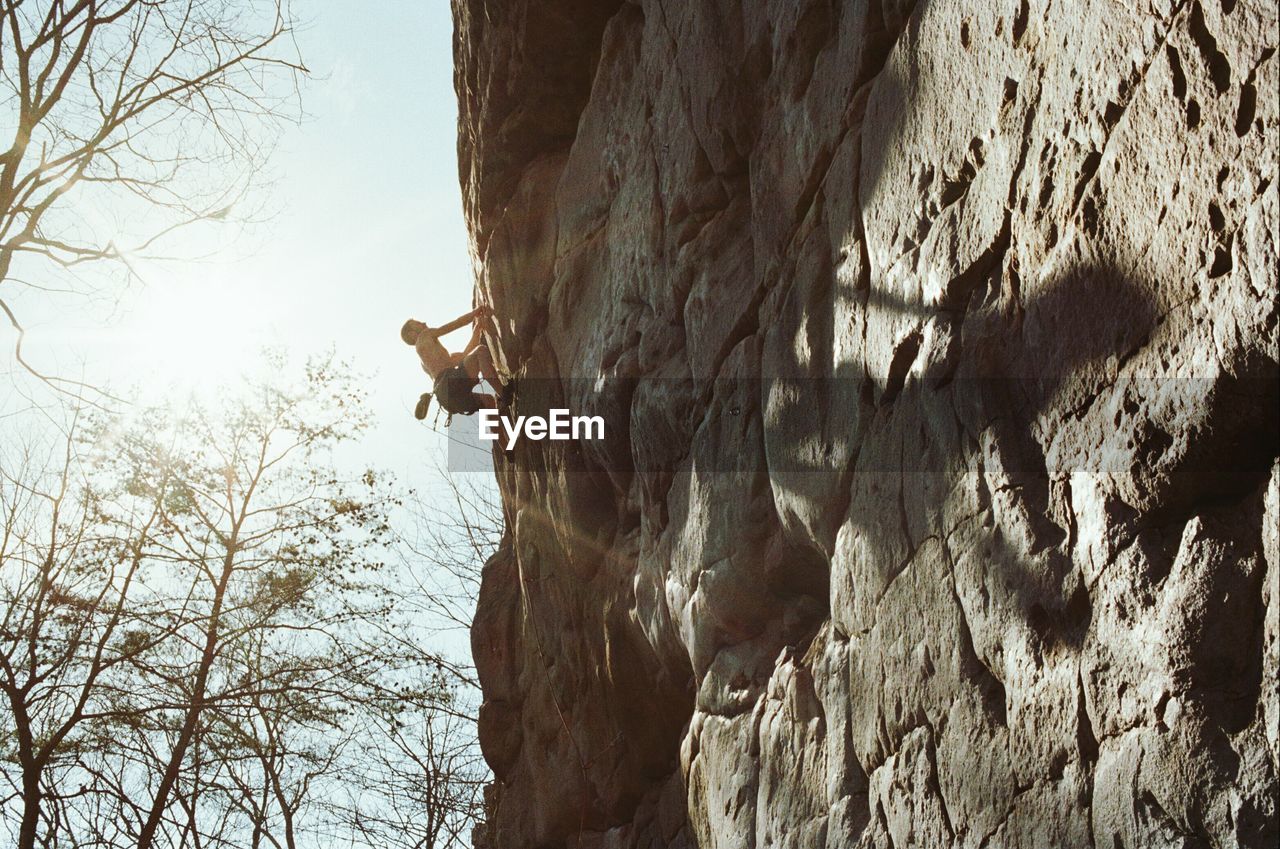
{"x":460,"y":321}
{"x":477,"y":338}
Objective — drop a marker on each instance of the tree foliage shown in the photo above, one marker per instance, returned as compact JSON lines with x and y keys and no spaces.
{"x":202,"y":642}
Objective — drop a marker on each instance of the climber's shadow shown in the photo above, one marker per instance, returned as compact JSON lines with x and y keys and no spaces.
{"x":968,"y":398}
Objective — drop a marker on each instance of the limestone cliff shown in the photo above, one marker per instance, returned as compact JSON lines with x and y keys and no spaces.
{"x":937,"y":341}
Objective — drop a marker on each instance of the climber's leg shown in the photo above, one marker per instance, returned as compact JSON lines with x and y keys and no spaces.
{"x":479,"y":364}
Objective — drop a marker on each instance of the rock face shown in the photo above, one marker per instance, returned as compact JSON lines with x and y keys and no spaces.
{"x":937,"y":344}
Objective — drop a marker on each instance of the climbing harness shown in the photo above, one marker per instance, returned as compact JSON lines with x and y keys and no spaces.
{"x":505,"y":398}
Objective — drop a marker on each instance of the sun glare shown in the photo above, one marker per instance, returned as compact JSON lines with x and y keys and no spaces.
{"x":195,"y":334}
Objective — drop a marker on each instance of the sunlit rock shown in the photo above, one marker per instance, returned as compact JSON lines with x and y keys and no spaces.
{"x":941,"y":341}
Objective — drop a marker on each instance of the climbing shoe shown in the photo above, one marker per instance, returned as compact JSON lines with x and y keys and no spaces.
{"x":507,"y":394}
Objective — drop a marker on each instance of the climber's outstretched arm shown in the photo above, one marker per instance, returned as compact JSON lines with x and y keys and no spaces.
{"x":460,"y":321}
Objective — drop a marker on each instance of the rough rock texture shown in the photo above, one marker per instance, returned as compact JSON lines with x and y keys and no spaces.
{"x":941,"y":501}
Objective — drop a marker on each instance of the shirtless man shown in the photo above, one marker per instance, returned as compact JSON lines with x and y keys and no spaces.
{"x":455,"y":375}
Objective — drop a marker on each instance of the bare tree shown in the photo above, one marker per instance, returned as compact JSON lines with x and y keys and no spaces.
{"x":206,"y":640}
{"x":274,"y":551}
{"x":69,"y":623}
{"x":419,"y":780}
{"x":130,"y":119}
{"x":427,"y":773}
{"x":453,"y":531}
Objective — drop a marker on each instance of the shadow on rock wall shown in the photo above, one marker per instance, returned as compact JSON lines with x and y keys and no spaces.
{"x":938,"y":443}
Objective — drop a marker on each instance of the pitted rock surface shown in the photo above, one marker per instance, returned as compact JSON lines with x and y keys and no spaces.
{"x":937,"y":341}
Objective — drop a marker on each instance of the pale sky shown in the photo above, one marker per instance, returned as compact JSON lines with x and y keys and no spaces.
{"x":367,"y":231}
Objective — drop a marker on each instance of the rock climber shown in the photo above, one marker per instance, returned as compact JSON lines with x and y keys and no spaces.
{"x":455,"y":376}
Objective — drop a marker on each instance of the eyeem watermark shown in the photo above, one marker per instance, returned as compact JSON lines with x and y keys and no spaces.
{"x":559,"y":425}
{"x":710,"y":426}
